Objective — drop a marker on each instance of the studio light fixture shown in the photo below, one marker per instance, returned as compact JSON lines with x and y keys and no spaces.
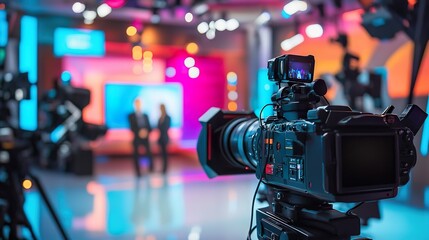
{"x":90,"y":12}
{"x":292,"y":42}
{"x":210,"y":28}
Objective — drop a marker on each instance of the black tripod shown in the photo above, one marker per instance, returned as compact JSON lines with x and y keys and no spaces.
{"x":15,"y":170}
{"x":297,"y":217}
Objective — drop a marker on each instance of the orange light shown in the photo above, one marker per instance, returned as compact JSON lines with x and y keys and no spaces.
{"x":353,"y":16}
{"x":27,"y":184}
{"x":232,"y":106}
{"x":137,"y":53}
{"x":147,"y":54}
{"x":231,"y":88}
{"x":131,"y":31}
{"x":147,"y":61}
{"x":192,"y":48}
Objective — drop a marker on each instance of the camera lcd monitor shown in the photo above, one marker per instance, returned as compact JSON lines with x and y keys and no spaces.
{"x":119,"y":102}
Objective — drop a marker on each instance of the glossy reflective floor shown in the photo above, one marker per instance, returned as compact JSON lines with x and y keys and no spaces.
{"x":184,"y":204}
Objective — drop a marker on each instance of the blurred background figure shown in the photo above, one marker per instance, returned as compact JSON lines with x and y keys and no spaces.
{"x":164,"y":123}
{"x":140,"y":126}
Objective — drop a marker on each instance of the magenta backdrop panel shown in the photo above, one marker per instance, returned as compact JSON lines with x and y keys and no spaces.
{"x":199,"y":94}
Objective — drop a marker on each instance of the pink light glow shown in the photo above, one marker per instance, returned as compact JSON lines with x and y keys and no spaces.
{"x":94,"y":73}
{"x":115,"y":3}
{"x":95,"y":221}
{"x":353,"y":16}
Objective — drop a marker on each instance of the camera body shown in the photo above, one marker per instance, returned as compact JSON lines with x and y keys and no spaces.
{"x":330,"y":153}
{"x":338,"y":155}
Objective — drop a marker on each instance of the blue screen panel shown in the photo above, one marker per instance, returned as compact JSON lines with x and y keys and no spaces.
{"x":79,"y":42}
{"x":119,"y":99}
{"x":28,"y":63}
{"x":3,"y":28}
{"x":265,"y":89}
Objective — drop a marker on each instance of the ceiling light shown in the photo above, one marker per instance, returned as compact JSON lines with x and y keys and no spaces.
{"x":263,"y":18}
{"x":200,"y":9}
{"x":89,"y":15}
{"x":211,"y":34}
{"x":292,"y":42}
{"x":220,"y":25}
{"x":295,"y":6}
{"x":232,"y":24}
{"x":78,"y":7}
{"x":104,"y":10}
{"x":189,"y":17}
{"x":203,"y":27}
{"x":314,"y":30}
{"x":88,"y":21}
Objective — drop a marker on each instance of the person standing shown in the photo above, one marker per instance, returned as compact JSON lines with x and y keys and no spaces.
{"x":140,"y":126}
{"x":164,"y":123}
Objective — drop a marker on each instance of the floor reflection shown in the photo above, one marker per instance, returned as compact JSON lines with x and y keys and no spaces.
{"x":184,"y":204}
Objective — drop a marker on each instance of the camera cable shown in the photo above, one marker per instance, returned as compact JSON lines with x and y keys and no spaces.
{"x":252,"y":228}
{"x":260,"y":114}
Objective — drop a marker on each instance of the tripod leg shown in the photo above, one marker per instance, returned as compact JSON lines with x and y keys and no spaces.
{"x":49,"y":205}
{"x":28,"y":225}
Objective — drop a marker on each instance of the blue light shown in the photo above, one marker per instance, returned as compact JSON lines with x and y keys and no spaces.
{"x":426,"y":196}
{"x":378,"y":22}
{"x":424,"y":145}
{"x":28,"y":63}
{"x":285,"y":15}
{"x":28,"y":111}
{"x":3,"y":28}
{"x":57,"y":133}
{"x":28,"y":48}
{"x":79,"y":42}
{"x":265,"y":90}
{"x":66,"y":76}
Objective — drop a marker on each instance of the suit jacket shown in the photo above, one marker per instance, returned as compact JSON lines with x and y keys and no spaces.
{"x":163,"y":127}
{"x":135,"y":128}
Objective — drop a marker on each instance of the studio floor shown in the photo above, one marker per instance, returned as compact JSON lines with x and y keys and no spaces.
{"x":183,"y":204}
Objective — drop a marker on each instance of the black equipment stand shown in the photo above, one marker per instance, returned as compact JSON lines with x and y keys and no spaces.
{"x":11,"y":192}
{"x":297,"y":217}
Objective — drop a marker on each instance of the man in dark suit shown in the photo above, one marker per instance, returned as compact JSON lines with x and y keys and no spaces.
{"x":164,"y":123}
{"x":140,"y":126}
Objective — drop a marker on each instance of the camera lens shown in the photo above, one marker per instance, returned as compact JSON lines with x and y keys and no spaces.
{"x":240,"y":142}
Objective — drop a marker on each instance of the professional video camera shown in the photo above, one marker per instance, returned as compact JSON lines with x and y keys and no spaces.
{"x":17,"y":151}
{"x":311,"y":156}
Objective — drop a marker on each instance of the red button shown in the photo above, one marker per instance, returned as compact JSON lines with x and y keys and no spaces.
{"x":269,"y":169}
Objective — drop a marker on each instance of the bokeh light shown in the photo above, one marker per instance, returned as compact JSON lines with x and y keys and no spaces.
{"x":189,"y":17}
{"x":194,"y":72}
{"x":115,"y":3}
{"x":147,"y":54}
{"x":232,"y":106}
{"x":170,"y":72}
{"x":137,"y":53}
{"x":27,"y":184}
{"x":189,"y":62}
{"x":233,"y":95}
{"x":231,"y":77}
{"x":131,"y":31}
{"x":192,"y":48}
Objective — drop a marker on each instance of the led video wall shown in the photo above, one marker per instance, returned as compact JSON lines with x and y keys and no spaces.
{"x":119,"y":100}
